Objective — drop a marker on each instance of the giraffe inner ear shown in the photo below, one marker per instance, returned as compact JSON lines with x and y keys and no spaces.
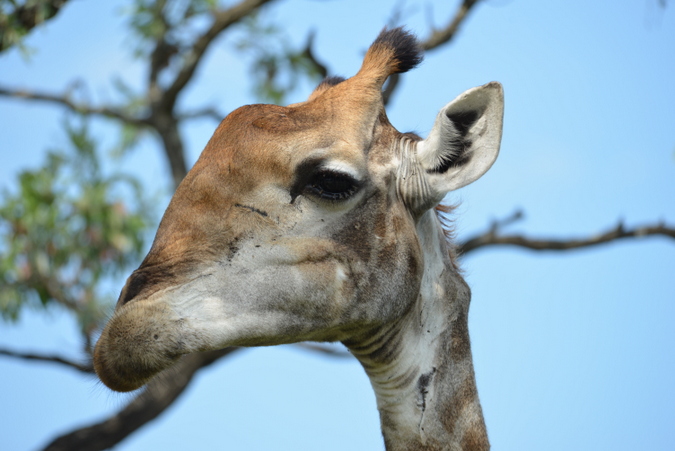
{"x":464,"y":141}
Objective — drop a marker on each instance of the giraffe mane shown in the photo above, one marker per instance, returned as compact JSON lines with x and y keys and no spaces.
{"x":444,"y":213}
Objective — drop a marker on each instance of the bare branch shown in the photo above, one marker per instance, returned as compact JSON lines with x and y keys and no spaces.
{"x":159,"y":394}
{"x":493,"y":238}
{"x":163,"y":51}
{"x":166,"y":125}
{"x":498,"y":224}
{"x":198,"y":114}
{"x":222,"y":20}
{"x":66,"y":101}
{"x":84,"y":368}
{"x":444,"y":35}
{"x":392,"y":83}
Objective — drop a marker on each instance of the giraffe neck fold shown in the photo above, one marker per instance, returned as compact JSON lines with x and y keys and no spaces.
{"x":421,"y":367}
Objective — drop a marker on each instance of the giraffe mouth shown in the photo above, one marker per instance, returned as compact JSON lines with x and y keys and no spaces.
{"x":141,"y":340}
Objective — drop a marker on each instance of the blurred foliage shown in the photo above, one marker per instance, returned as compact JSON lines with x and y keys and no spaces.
{"x":65,"y":229}
{"x":276,"y":67}
{"x":174,"y":22}
{"x":133,"y":105}
{"x":165,"y":31}
{"x":17,"y":18}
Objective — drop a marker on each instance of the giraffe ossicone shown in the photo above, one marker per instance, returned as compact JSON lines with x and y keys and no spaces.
{"x":318,"y":221}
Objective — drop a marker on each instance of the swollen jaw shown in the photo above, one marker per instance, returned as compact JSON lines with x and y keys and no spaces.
{"x":139,"y":341}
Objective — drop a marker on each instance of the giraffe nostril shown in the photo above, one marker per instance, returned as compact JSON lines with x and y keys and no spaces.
{"x":134,"y":286}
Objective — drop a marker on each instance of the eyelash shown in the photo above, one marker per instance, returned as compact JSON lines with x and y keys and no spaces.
{"x":332,"y":185}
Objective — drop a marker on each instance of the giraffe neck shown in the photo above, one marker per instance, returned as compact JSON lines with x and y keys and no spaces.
{"x":421,"y":368}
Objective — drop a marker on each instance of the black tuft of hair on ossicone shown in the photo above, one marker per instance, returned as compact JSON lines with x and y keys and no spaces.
{"x":407,"y":50}
{"x":331,"y":81}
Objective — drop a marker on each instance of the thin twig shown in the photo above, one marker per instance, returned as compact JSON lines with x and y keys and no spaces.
{"x":444,"y":35}
{"x":82,"y":108}
{"x":437,"y":38}
{"x":199,"y":114}
{"x":390,"y":87}
{"x":498,"y":224}
{"x":84,"y":368}
{"x":308,"y":53}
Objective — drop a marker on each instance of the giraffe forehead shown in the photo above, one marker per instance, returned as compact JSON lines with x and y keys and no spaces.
{"x":271,"y":141}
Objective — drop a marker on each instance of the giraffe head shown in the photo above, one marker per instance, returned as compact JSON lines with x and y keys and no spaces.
{"x":298,"y":223}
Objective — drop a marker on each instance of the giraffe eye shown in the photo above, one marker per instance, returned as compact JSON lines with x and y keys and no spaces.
{"x":332,"y":185}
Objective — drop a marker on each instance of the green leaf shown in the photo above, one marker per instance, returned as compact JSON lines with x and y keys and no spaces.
{"x":66,"y":230}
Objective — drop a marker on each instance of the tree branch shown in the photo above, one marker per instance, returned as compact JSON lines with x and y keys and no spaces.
{"x":158,"y":395}
{"x":82,"y":108}
{"x":390,"y":87}
{"x":166,"y":125}
{"x":308,"y":53}
{"x":444,"y":35}
{"x":84,"y":368}
{"x":222,"y":20}
{"x":437,"y":38}
{"x":493,"y":238}
{"x":198,"y":114}
{"x":162,"y":102}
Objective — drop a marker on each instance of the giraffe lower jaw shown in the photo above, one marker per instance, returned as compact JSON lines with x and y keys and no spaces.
{"x":147,"y":336}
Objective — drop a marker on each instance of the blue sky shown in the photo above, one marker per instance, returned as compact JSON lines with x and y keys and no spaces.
{"x":572,"y":351}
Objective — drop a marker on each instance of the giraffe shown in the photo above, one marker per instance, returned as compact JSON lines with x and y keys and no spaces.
{"x":319,"y":221}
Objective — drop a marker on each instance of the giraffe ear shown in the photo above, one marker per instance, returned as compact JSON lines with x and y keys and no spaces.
{"x":464,"y":141}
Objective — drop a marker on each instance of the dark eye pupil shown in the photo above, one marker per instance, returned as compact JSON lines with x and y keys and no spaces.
{"x":330,"y":185}
{"x":334,"y":184}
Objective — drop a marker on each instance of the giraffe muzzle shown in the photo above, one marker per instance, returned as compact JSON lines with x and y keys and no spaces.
{"x":141,"y":340}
